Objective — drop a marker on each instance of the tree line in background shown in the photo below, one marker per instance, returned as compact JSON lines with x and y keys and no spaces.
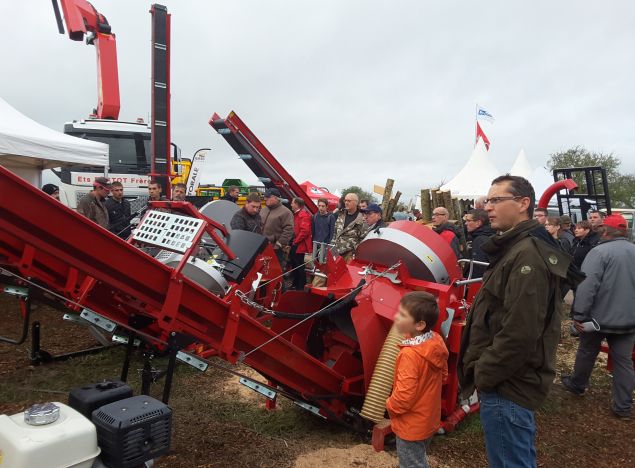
{"x":621,"y":185}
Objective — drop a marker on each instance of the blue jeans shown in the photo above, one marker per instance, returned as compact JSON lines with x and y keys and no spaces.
{"x":510,"y":432}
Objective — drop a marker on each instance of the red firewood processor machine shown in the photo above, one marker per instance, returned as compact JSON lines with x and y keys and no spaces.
{"x":187,"y":287}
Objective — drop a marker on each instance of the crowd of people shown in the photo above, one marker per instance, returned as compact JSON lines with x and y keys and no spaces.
{"x":528,"y":259}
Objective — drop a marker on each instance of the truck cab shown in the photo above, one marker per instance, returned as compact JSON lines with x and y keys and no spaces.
{"x":129,"y":160}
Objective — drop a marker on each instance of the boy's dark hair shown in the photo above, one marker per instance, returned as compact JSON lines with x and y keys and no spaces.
{"x":155,"y":182}
{"x":299,"y":201}
{"x":365,"y":201}
{"x":519,"y":187}
{"x":601,"y":213}
{"x":116,"y":183}
{"x":254,"y":197}
{"x":323,"y":200}
{"x":583,"y":224}
{"x":480,"y":215}
{"x":422,"y":306}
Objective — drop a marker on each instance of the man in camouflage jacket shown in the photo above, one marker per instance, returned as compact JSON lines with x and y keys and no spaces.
{"x":349,"y":227}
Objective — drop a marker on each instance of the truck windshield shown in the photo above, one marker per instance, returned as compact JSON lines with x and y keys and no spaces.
{"x":130,"y":150}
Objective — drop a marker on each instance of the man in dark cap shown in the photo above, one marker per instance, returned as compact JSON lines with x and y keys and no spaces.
{"x":372,"y":217}
{"x":603,"y":310}
{"x":565,"y":229}
{"x":52,"y":190}
{"x":277,"y":223}
{"x":92,"y":204}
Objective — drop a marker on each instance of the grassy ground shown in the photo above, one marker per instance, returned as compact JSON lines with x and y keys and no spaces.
{"x":219,"y":423}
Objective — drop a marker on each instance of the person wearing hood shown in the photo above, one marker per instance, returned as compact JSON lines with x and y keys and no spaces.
{"x":420,"y":371}
{"x":478,"y":232}
{"x":442,"y":226}
{"x":509,"y":343}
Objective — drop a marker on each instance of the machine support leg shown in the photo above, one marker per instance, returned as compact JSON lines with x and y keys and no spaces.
{"x":147,"y":375}
{"x":174,"y":349}
{"x":271,"y":405}
{"x":25,"y":310}
{"x":35,"y":343}
{"x":126,"y":362}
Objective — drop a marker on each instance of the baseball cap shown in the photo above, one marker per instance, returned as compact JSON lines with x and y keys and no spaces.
{"x":50,"y":189}
{"x":372,"y":208}
{"x":616,"y":221}
{"x":102,"y":182}
{"x":272,"y":192}
{"x":565,"y":219}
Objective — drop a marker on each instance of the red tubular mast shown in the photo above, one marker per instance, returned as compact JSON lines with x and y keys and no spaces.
{"x":81,"y":19}
{"x":568,"y":184}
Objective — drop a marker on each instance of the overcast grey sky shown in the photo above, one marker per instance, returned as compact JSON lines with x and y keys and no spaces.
{"x":350,"y":92}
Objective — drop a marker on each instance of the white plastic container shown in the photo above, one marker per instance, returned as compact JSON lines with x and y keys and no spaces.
{"x":68,"y":441}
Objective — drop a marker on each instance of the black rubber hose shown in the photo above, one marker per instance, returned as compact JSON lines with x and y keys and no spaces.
{"x":331,"y":309}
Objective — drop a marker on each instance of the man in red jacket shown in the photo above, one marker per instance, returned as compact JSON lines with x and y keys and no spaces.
{"x":302,"y":242}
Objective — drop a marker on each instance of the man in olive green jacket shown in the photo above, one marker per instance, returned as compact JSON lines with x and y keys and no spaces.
{"x":509,"y":343}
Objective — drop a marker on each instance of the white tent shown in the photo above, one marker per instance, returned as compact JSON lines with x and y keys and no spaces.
{"x":26,"y":147}
{"x":521,"y":166}
{"x":475,"y":178}
{"x":541,"y":179}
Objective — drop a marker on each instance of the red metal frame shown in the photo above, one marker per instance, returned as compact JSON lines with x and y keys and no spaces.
{"x":261,"y":159}
{"x":81,"y":18}
{"x":42,"y":239}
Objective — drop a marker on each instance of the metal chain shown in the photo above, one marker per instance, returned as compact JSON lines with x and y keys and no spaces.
{"x":243,"y":355}
{"x":253,"y":304}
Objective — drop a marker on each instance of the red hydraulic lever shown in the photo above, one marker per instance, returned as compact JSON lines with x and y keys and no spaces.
{"x":83,"y":19}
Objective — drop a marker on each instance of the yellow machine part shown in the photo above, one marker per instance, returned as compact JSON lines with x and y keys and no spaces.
{"x":381,"y":382}
{"x":185,"y":164}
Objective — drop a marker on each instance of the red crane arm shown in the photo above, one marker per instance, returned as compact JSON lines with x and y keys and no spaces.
{"x":83,"y":19}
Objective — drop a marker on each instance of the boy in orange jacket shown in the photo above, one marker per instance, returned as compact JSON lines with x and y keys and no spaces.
{"x":422,"y":367}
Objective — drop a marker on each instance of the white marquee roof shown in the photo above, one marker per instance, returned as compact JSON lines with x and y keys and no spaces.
{"x":521,"y":166}
{"x":26,"y":145}
{"x":475,"y":178}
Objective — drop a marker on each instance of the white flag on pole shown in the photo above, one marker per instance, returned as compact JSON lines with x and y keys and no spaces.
{"x":483,"y":114}
{"x":194,"y":178}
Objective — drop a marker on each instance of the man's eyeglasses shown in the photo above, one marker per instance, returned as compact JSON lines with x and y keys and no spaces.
{"x":497,"y":200}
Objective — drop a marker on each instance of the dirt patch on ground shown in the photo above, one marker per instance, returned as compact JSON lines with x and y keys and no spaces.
{"x":362,"y":456}
{"x":219,"y":423}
